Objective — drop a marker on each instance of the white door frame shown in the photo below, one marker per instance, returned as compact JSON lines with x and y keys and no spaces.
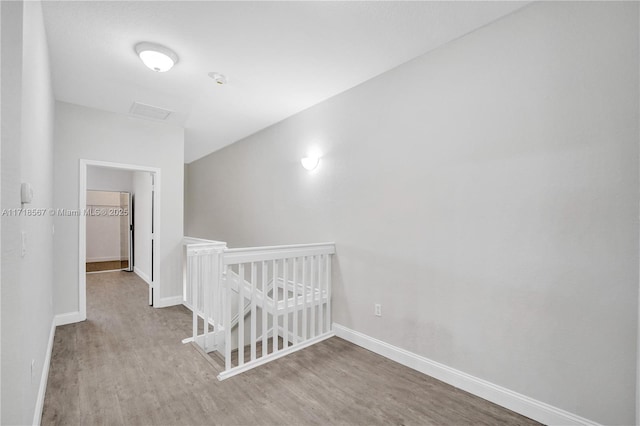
{"x":82,"y":227}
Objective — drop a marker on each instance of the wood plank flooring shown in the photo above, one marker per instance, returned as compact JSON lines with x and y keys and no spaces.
{"x":126,"y":365}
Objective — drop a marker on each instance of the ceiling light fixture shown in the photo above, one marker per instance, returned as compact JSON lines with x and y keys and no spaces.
{"x":218,"y":78}
{"x":156,"y":57}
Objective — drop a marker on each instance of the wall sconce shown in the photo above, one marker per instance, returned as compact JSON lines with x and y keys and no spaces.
{"x":310,"y":162}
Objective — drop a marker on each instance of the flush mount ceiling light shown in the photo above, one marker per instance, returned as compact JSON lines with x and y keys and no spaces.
{"x":218,"y":78}
{"x":156,"y":57}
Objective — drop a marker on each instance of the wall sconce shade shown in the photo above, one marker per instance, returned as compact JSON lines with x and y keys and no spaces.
{"x":310,"y":163}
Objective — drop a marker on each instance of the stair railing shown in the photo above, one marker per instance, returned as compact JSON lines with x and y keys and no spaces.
{"x":202,"y":290}
{"x":261,"y":303}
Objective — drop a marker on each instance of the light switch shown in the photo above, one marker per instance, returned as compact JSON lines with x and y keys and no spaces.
{"x":26,"y":193}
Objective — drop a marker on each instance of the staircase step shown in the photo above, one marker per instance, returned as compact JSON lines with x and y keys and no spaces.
{"x":217,"y":358}
{"x":216,"y":363}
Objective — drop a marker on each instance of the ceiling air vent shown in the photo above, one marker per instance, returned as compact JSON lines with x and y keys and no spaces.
{"x":148,"y":111}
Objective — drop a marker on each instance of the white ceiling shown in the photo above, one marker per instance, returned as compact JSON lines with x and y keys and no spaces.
{"x":279,"y":57}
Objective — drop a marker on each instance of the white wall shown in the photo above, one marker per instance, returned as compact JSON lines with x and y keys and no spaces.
{"x":85,"y":133}
{"x":142,"y":224}
{"x":485,"y":193}
{"x":125,"y":220}
{"x":105,"y":179}
{"x":104,"y":233}
{"x":3,"y":134}
{"x":27,"y":156}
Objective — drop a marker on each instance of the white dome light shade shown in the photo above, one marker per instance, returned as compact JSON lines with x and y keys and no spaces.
{"x":310,"y":163}
{"x":156,"y":57}
{"x":157,"y":61}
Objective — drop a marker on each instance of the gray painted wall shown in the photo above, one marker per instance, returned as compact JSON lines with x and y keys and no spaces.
{"x":485,"y":193}
{"x":27,"y":156}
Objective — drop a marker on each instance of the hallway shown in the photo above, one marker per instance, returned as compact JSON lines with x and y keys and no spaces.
{"x":126,"y":365}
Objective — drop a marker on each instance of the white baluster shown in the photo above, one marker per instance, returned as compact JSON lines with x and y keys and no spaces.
{"x":275,"y":319}
{"x":285,"y":298}
{"x":305,"y":261}
{"x":253,"y":311}
{"x":265,"y":340}
{"x":194,"y":291}
{"x":205,"y":299}
{"x":216,"y":301}
{"x":295,"y":300}
{"x":312,"y":284}
{"x":241,"y":315}
{"x":327,"y":277}
{"x":320,"y":299}
{"x":227,"y":319}
{"x":199,"y":280}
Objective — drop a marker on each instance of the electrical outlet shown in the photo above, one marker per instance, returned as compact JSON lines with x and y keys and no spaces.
{"x":378,"y":310}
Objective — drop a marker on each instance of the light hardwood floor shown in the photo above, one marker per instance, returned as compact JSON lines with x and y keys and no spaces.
{"x":126,"y":365}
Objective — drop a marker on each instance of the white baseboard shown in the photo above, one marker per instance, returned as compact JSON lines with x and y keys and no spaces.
{"x":142,"y":275}
{"x":37,"y":415}
{"x":105,"y":272}
{"x":514,"y":401}
{"x":68,"y":318}
{"x":167,"y":301}
{"x":105,"y":259}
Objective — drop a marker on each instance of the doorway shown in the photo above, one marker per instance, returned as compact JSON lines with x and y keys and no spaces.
{"x":109,"y":231}
{"x":143,"y":241}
